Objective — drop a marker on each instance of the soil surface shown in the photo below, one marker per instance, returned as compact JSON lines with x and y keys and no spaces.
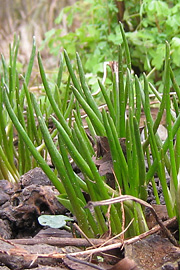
{"x":25,"y":244}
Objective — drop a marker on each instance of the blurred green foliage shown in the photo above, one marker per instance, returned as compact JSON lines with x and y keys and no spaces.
{"x":97,"y":32}
{"x":93,"y":31}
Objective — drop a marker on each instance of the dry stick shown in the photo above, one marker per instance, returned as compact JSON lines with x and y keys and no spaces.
{"x":84,"y":262}
{"x":114,"y":237}
{"x":118,"y":235}
{"x":83,"y":234}
{"x":55,"y":241}
{"x":129,"y":197}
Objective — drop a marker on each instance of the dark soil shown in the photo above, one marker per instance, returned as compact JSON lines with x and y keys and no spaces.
{"x":21,"y":205}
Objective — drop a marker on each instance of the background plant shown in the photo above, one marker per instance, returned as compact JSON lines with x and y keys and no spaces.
{"x":148,"y":24}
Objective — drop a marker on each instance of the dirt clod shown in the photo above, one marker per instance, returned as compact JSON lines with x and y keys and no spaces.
{"x":22,"y":204}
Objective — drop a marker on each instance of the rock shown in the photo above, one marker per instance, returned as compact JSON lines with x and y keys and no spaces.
{"x":5,"y":229}
{"x":153,"y":252}
{"x":26,"y":256}
{"x":35,"y":176}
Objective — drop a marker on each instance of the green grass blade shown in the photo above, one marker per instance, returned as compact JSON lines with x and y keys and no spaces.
{"x":116,"y":151}
{"x":14,"y":61}
{"x":70,"y":172}
{"x":115,"y":96}
{"x":175,"y":128}
{"x":30,"y":145}
{"x":168,"y":116}
{"x":24,"y":154}
{"x":67,"y":96}
{"x":175,"y":85}
{"x":108,"y":101}
{"x":141,"y":162}
{"x":127,"y":53}
{"x":31,"y":62}
{"x":31,"y":114}
{"x":5,"y":69}
{"x":149,"y":165}
{"x":98,"y":126}
{"x":162,"y":102}
{"x":57,"y":160}
{"x":13,"y":170}
{"x":175,"y":105}
{"x":86,"y":90}
{"x":122,"y":121}
{"x":60,"y":72}
{"x":138,"y":99}
{"x":72,"y":74}
{"x":69,"y":109}
{"x":50,"y":97}
{"x":133,"y":187}
{"x":83,"y":134}
{"x":177,"y":150}
{"x":156,"y":151}
{"x":76,"y":186}
{"x":73,"y":151}
{"x":4,"y":171}
{"x":116,"y":225}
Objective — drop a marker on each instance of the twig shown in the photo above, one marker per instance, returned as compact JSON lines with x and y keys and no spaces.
{"x":84,"y":262}
{"x":118,"y":235}
{"x":83,"y":234}
{"x":129,"y":197}
{"x":55,"y":241}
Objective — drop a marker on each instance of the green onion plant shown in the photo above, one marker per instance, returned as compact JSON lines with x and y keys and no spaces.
{"x":70,"y":140}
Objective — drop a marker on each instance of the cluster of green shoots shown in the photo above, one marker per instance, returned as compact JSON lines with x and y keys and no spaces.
{"x":22,"y":113}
